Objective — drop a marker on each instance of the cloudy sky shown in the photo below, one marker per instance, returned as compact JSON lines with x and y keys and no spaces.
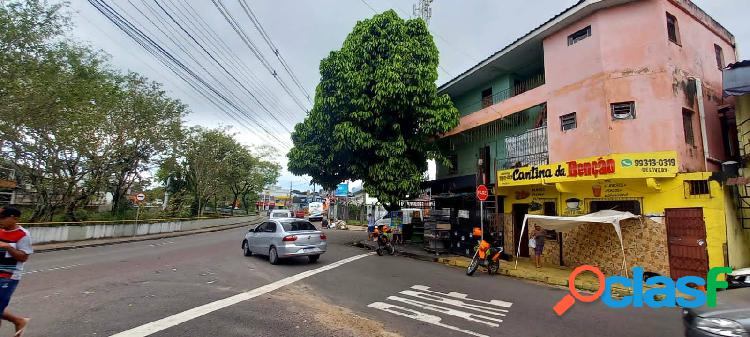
{"x":304,"y":32}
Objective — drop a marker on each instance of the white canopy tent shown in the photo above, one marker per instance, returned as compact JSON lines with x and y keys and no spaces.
{"x":565,"y":224}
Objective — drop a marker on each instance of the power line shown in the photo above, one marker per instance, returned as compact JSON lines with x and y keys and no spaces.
{"x":179,"y":68}
{"x":181,"y":46}
{"x":255,"y":50}
{"x":221,"y":65}
{"x":209,"y":37}
{"x":258,"y":26}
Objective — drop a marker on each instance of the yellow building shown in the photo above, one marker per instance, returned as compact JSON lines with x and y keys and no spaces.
{"x":737,"y":83}
{"x":683,"y":225}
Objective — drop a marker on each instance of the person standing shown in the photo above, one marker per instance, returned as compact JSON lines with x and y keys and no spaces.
{"x":370,"y":225}
{"x":538,"y":235}
{"x":15,"y":248}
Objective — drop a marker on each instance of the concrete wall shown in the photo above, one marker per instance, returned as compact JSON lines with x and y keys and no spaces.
{"x":47,"y":234}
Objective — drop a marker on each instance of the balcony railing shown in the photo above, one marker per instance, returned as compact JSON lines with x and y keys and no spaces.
{"x":517,"y":89}
{"x":525,"y":149}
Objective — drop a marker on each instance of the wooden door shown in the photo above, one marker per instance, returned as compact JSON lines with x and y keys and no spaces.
{"x":686,"y":239}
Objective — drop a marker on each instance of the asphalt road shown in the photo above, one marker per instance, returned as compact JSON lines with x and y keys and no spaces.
{"x":102,"y":291}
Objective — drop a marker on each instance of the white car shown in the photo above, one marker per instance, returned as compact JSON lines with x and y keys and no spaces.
{"x":280,"y":213}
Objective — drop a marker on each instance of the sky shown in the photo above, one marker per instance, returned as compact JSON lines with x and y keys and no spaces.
{"x":304,"y":32}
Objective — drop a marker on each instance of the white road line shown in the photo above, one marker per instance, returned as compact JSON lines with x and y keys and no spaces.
{"x":50,"y":269}
{"x":461,"y":296}
{"x":420,"y":316}
{"x":187,"y":315}
{"x":491,"y":321}
{"x":453,"y":302}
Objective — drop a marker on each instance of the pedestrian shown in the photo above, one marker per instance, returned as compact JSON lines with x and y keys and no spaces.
{"x":15,"y":248}
{"x":538,"y":235}
{"x":370,"y":225}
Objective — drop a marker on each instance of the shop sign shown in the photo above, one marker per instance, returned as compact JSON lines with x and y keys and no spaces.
{"x":615,"y":166}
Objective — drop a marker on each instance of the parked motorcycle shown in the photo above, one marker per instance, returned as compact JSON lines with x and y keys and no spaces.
{"x":382,"y":235}
{"x":485,"y":255}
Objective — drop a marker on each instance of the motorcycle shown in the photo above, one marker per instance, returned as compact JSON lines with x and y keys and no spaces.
{"x":486,"y":256}
{"x":381,"y":235}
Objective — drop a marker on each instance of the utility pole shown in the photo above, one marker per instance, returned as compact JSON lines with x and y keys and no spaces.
{"x":290,"y":196}
{"x":422,"y":10}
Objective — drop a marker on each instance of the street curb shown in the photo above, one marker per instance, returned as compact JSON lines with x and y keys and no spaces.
{"x":515,"y":273}
{"x":137,"y":239}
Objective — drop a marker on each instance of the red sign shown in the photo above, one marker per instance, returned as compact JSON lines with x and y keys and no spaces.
{"x":482,"y":193}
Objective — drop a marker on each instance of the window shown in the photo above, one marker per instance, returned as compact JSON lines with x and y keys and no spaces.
{"x":297,"y":226}
{"x":454,"y":164}
{"x":624,"y":110}
{"x":673,"y":30}
{"x":632,"y":206}
{"x":697,"y":188}
{"x":579,"y":35}
{"x":270,"y":227}
{"x":486,"y":97}
{"x":568,"y":122}
{"x":719,"y":57}
{"x":687,"y":125}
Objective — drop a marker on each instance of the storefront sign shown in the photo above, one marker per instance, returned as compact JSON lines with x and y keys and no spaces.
{"x":615,"y":166}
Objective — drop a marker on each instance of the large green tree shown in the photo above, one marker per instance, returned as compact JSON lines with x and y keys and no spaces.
{"x":376,"y":111}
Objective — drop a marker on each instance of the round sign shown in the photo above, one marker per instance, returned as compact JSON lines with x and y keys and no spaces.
{"x":140,"y":197}
{"x":482,"y":193}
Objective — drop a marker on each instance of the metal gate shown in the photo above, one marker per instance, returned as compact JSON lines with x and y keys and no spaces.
{"x":686,"y":238}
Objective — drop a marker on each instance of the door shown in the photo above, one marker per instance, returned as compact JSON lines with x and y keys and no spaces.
{"x":686,"y":240}
{"x":483,"y":176}
{"x":519,"y":211}
{"x":254,"y":240}
{"x":266,"y":236}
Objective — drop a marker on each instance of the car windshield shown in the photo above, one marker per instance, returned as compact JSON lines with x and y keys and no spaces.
{"x":280,"y":214}
{"x":295,"y":226}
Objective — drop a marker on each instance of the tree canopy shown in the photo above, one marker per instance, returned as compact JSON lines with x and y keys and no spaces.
{"x":376,"y":111}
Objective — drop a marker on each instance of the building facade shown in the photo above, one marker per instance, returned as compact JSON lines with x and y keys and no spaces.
{"x":612,"y":104}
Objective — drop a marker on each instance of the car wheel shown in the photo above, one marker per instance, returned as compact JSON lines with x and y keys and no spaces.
{"x":246,"y":248}
{"x":313,"y":258}
{"x":273,"y":256}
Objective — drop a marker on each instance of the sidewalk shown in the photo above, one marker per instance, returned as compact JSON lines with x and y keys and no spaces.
{"x":46,"y":247}
{"x":552,"y":275}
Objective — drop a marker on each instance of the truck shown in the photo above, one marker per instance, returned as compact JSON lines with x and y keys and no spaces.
{"x":315,"y":209}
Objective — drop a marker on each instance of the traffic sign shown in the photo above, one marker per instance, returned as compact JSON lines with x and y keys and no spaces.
{"x":482,"y":193}
{"x":140,"y":197}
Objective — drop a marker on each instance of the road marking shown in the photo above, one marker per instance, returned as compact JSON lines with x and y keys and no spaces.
{"x":161,"y":244}
{"x":450,"y":304}
{"x":187,"y":315}
{"x":50,"y":269}
{"x":420,"y":316}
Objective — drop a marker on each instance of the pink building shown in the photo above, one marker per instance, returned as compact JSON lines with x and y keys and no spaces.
{"x":620,"y":74}
{"x":635,"y":82}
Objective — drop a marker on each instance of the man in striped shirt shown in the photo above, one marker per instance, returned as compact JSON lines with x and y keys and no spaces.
{"x":15,"y":248}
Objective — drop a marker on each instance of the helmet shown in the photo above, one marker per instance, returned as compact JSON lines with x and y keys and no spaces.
{"x":477,"y":232}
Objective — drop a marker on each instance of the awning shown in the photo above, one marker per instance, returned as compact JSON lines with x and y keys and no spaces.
{"x":565,"y":224}
{"x":736,"y":79}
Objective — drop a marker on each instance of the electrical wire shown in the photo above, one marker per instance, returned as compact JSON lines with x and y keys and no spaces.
{"x":183,"y":71}
{"x":259,"y":27}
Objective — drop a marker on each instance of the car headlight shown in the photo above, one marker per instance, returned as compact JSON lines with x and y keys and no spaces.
{"x":721,"y":327}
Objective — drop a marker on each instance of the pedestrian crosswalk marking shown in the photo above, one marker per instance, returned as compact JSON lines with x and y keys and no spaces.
{"x":419,"y":316}
{"x":453,"y":304}
{"x":448,"y":311}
